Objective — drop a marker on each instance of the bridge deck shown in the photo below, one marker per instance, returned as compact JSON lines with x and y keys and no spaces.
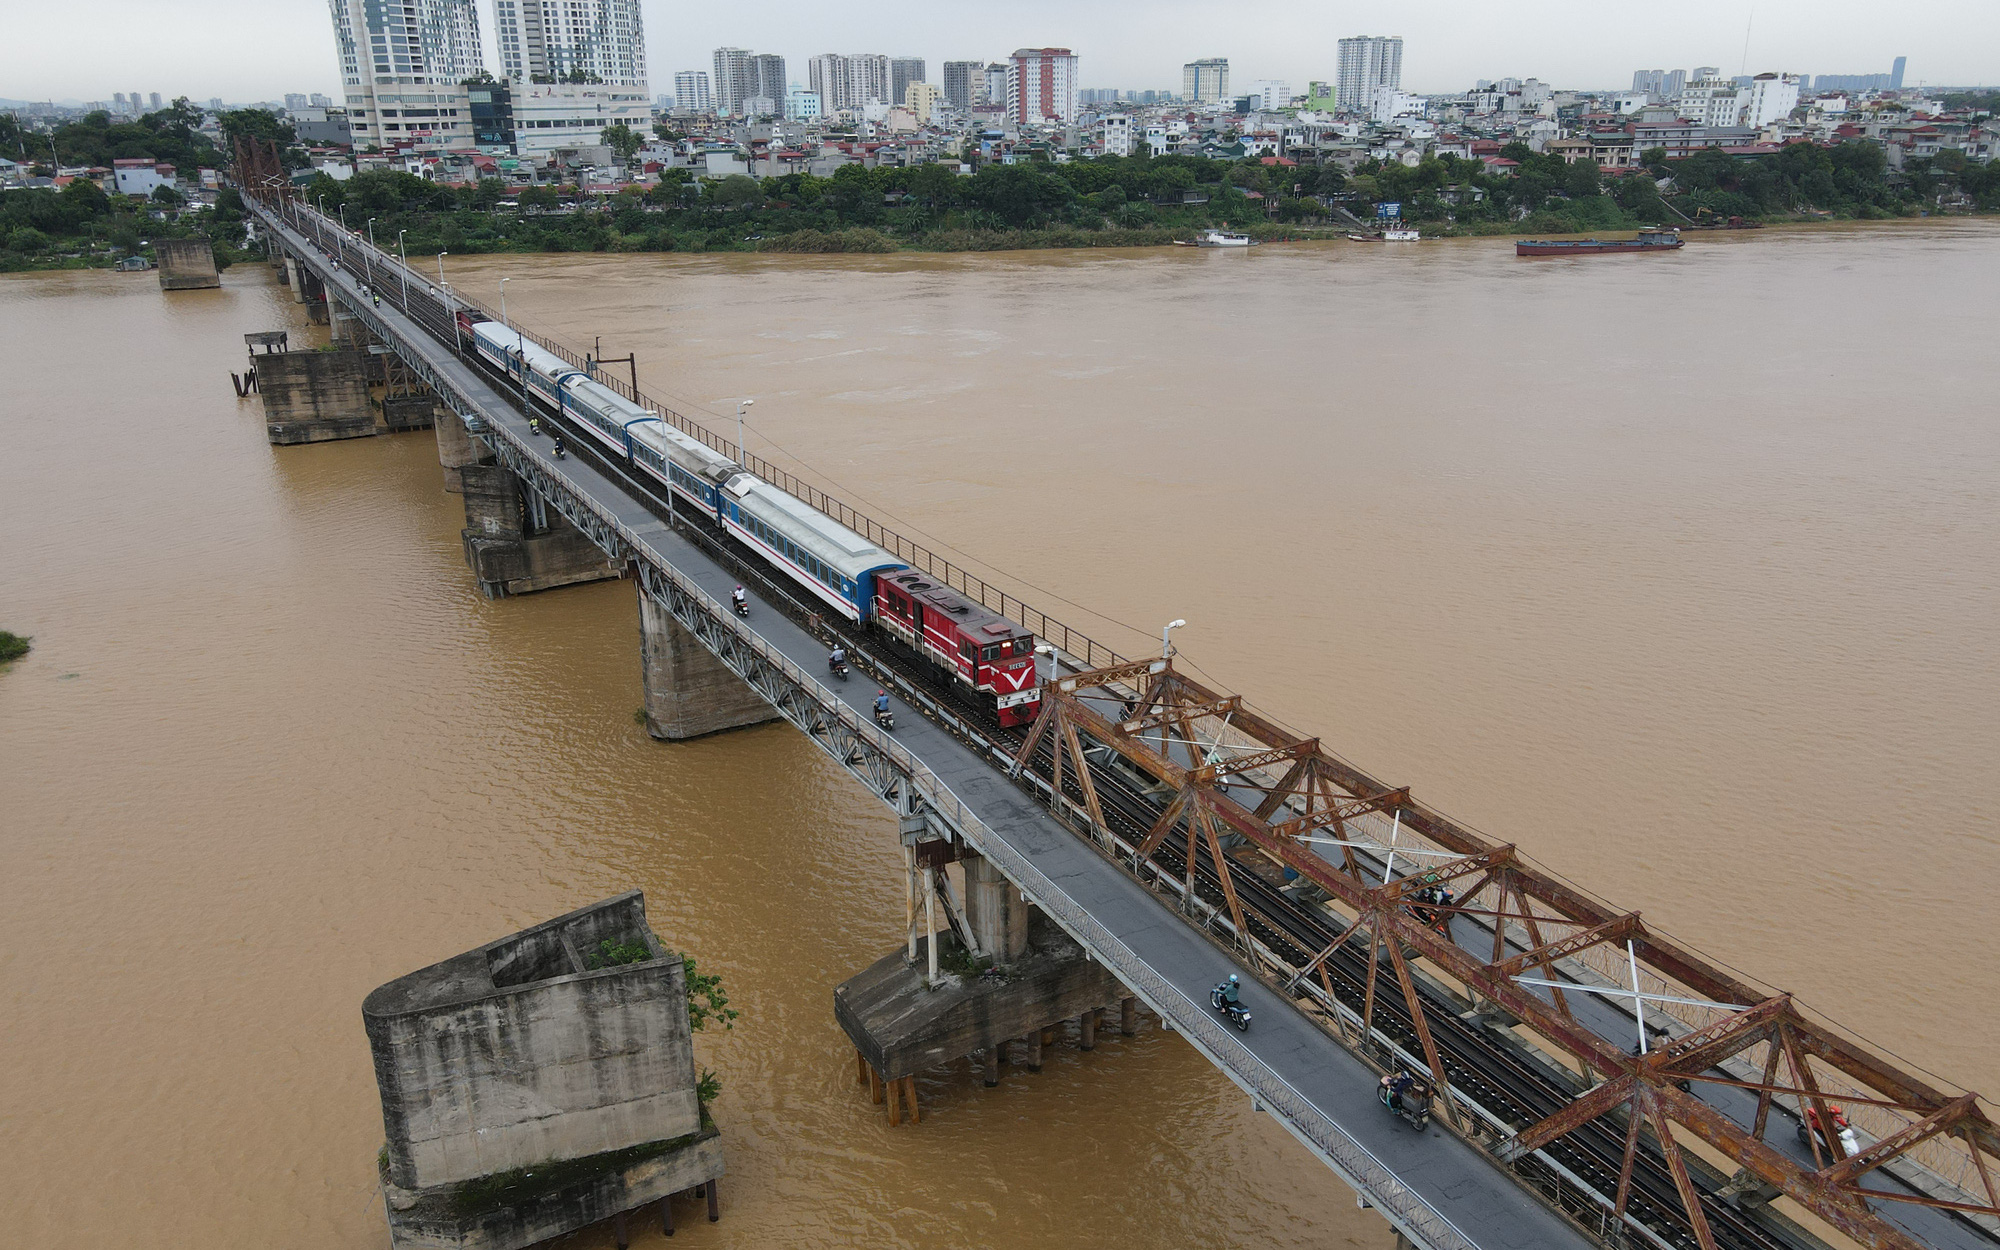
{"x":1447,"y":1172}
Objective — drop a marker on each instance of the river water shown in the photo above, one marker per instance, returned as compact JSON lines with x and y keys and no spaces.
{"x":1679,"y":572}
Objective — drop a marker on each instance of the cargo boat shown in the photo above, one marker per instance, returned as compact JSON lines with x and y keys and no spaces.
{"x":1648,"y":241}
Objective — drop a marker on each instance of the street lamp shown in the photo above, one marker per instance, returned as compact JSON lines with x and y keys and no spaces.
{"x":371,"y":234}
{"x":441,"y":256}
{"x":503,"y":297}
{"x":342,"y":210}
{"x":739,"y":429}
{"x":1166,"y":643}
{"x":406,"y":268}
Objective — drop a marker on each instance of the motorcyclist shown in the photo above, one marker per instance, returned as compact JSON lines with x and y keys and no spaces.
{"x":836,"y":657}
{"x":534,"y":424}
{"x":1231,"y":992}
{"x":558,"y":448}
{"x":881,"y":702}
{"x":739,"y":599}
{"x":1397,"y":1084}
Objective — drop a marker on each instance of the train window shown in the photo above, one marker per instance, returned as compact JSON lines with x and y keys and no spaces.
{"x":965,"y":649}
{"x":1024,"y":646}
{"x":992,"y":652}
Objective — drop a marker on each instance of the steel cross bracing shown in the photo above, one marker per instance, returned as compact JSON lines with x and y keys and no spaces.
{"x":1317,"y":793}
{"x":913,"y":791}
{"x":1245,"y":794}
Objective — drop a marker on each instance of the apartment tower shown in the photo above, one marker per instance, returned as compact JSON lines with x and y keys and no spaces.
{"x":1205,"y":81}
{"x":1367,"y":64}
{"x":401,"y":67}
{"x":1041,"y":86}
{"x":603,"y":40}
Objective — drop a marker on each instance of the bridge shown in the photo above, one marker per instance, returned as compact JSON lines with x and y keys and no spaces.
{"x":1599,"y":1083}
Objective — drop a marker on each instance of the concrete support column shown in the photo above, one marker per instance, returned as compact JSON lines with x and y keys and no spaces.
{"x":347,"y":330}
{"x":457,"y":448}
{"x":293,"y":279}
{"x":995,"y":911}
{"x":1128,"y":1016}
{"x":314,"y":397}
{"x":689,"y":693}
{"x":507,"y":559}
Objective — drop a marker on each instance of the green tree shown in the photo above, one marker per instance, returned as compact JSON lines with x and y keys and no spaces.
{"x":622,"y":139}
{"x":164,"y":194}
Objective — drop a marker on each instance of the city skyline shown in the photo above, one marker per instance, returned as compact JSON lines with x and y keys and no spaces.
{"x":206,"y":48}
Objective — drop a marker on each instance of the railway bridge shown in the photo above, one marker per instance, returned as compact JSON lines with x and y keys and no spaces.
{"x":1598,"y":1082}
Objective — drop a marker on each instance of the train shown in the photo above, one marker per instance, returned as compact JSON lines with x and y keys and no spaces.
{"x":963,"y":641}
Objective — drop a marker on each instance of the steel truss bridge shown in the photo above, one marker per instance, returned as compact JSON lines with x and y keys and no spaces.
{"x":1632,"y":1091}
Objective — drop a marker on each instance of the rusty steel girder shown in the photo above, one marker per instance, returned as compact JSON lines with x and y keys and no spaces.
{"x":1159,"y":720}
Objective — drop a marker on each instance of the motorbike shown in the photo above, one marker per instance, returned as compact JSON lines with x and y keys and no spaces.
{"x":885,"y":718}
{"x":535,"y":425}
{"x":742,"y":607}
{"x":558,"y":448}
{"x":1412,"y":1101}
{"x":1238,"y":1014}
{"x":1841,"y":1128}
{"x":838,"y":668}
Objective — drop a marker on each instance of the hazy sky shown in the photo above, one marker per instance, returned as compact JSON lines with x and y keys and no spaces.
{"x":259,"y":49}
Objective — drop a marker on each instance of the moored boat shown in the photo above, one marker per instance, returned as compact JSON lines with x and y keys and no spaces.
{"x":1217,"y":238}
{"x":1387,"y":236}
{"x":1648,"y":240}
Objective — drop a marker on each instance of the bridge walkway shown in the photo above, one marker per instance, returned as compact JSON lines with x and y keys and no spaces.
{"x":1320,"y":1084}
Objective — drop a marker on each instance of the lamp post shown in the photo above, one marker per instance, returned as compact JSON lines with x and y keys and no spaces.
{"x":503,"y":299}
{"x":1166,"y":642}
{"x":406,"y":268}
{"x":342,"y":210}
{"x":739,"y":430}
{"x":371,"y":233}
{"x":441,"y":256}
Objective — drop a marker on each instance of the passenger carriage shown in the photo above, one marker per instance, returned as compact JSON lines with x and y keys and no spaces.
{"x":524,"y":363}
{"x":836,"y":564}
{"x":684,"y":464}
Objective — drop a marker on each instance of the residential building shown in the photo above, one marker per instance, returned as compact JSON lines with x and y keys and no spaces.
{"x":1367,"y":64}
{"x":1205,"y":81}
{"x":294,"y":101}
{"x":1270,"y":94}
{"x":491,"y":107}
{"x":584,"y":39}
{"x":1661,"y":85}
{"x":1390,"y":104}
{"x":1891,"y":81}
{"x":802,"y":106}
{"x":732,"y":80}
{"x":1117,"y":134}
{"x":922,"y":100}
{"x":767,"y":78}
{"x":1711,"y":101}
{"x":996,"y":85}
{"x":155,"y":96}
{"x":318,"y":101}
{"x":401,"y":68}
{"x":1771,"y":97}
{"x":903,"y":70}
{"x":1041,"y":86}
{"x":961,"y":82}
{"x":691,"y":91}
{"x":140,"y":176}
{"x":849,"y":82}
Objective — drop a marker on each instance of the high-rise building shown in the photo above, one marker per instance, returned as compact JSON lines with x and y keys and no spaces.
{"x":962,"y":82}
{"x":691,"y":91}
{"x":903,"y":70}
{"x":732,"y":80}
{"x":922,"y":98}
{"x":1270,"y":94}
{"x":1660,"y":84}
{"x":1041,"y":85}
{"x":1205,"y":81}
{"x":318,"y":101}
{"x":767,"y":80}
{"x":402,"y":67}
{"x":1896,"y":73}
{"x":155,"y":98}
{"x":571,"y":40}
{"x":1711,"y":100}
{"x":849,"y":82}
{"x":1770,"y":98}
{"x":1367,"y":63}
{"x":996,"y":84}
{"x":118,"y":99}
{"x":294,"y":101}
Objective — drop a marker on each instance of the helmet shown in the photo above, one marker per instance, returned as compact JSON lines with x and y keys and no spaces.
{"x":881,"y":692}
{"x":1232,"y":978}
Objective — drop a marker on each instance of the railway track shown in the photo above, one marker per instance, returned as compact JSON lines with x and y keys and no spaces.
{"x":1513,"y":1089}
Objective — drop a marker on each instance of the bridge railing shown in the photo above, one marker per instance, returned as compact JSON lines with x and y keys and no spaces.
{"x":1089,"y":652}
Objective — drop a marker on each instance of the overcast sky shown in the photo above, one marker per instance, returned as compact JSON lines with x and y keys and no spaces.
{"x":259,"y":49}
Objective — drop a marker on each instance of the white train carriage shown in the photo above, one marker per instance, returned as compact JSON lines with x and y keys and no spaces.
{"x":836,"y":564}
{"x":602,"y":412}
{"x":684,"y":464}
{"x":523,"y":361}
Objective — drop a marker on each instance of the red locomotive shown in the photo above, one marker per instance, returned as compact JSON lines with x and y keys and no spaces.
{"x":979,"y":647}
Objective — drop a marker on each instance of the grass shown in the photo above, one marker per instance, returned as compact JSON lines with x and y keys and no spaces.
{"x":13,"y":646}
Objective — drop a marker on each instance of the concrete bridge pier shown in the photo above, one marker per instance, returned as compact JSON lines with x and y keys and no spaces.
{"x":516,"y":544}
{"x":294,"y":278}
{"x":457,"y":448}
{"x":314,"y":397}
{"x":346,"y":329}
{"x":689,"y":693}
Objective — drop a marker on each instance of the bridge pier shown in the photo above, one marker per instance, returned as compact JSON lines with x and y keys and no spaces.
{"x":314,"y":397}
{"x":994,"y":911}
{"x":457,"y":449}
{"x":688,"y":692}
{"x":516,"y":544}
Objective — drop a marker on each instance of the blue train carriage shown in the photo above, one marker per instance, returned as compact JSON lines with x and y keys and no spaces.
{"x":513,"y":354}
{"x":836,"y":564}
{"x":602,"y":412}
{"x":684,"y":464}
